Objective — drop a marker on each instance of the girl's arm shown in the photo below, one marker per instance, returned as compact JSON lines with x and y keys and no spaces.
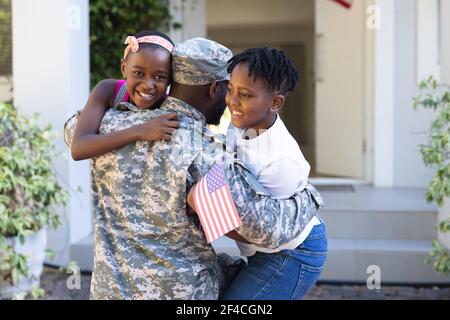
{"x":87,"y":143}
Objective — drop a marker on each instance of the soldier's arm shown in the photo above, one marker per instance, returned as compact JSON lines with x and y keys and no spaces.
{"x":269,"y":222}
{"x":266,"y":221}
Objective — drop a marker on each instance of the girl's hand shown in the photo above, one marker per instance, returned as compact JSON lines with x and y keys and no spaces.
{"x":159,"y":128}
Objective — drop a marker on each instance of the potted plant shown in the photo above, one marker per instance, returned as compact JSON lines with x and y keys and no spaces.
{"x":29,"y":195}
{"x":436,"y":153}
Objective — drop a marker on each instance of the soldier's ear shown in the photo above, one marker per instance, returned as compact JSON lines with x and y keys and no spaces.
{"x":213,"y":89}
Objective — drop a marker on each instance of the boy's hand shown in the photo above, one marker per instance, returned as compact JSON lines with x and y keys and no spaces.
{"x":159,"y":128}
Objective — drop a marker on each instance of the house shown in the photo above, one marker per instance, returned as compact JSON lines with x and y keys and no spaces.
{"x":352,"y":113}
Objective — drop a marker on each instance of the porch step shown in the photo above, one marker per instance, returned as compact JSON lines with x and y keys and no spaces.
{"x":83,"y":253}
{"x":387,"y":225}
{"x":400,"y":261}
{"x":364,"y":212}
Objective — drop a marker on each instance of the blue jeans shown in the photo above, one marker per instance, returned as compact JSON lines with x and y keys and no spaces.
{"x":286,"y":275}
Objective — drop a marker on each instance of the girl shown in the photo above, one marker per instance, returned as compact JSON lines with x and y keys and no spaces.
{"x":146,"y":68}
{"x":260,"y":81}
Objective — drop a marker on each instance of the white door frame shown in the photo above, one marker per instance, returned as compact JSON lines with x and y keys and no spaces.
{"x":379,"y":100}
{"x":384,"y":96}
{"x":369,"y":97}
{"x":369,"y":78}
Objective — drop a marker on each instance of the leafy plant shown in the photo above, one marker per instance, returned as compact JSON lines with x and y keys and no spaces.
{"x":29,"y":192}
{"x":436,"y":153}
{"x":111,"y":21}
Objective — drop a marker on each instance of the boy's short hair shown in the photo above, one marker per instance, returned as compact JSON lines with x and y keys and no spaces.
{"x":271,"y":65}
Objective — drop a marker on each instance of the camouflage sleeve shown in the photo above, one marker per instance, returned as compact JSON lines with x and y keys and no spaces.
{"x":69,"y":129}
{"x":268,"y":222}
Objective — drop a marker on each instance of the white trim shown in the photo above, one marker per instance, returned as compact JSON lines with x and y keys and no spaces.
{"x":384,"y":97}
{"x":325,"y":181}
{"x":427,"y":40}
{"x":192,"y":16}
{"x":369,"y":98}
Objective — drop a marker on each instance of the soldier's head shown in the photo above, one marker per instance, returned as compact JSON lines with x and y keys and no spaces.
{"x":200,"y":77}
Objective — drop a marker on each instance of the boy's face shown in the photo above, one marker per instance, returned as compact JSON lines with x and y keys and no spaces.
{"x":147,"y":72}
{"x":251,"y":103}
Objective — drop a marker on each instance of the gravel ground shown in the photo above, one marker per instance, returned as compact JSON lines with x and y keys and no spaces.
{"x":54,"y":282}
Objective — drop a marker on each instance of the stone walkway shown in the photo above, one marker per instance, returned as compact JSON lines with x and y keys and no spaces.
{"x":54,"y":282}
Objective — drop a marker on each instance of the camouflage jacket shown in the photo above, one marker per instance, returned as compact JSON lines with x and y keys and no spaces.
{"x":146,"y":244}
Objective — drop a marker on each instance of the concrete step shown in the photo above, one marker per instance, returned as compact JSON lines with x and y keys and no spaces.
{"x":388,"y":225}
{"x":399,"y":261}
{"x":365,"y":212}
{"x":83,"y":253}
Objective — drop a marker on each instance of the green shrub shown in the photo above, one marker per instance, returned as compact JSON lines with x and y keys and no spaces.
{"x":29,"y":192}
{"x":436,"y":154}
{"x":111,"y":21}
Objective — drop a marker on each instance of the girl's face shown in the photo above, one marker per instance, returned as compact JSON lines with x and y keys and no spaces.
{"x":251,"y":103}
{"x":147,"y":73}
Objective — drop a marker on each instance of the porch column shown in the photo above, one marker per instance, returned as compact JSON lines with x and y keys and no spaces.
{"x":51,"y":77}
{"x":192,"y":16}
{"x":383,"y":170}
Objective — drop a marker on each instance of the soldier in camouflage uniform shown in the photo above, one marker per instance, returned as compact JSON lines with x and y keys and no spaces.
{"x":146,"y":244}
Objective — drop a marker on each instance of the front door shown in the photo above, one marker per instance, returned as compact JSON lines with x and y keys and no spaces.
{"x":340,"y":75}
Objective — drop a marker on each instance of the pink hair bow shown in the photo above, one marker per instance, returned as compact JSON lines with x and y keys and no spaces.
{"x":133,"y":43}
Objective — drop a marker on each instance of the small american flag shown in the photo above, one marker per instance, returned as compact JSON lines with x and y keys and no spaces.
{"x":214,"y":205}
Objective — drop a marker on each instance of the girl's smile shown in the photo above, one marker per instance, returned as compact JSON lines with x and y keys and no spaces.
{"x":146,"y":97}
{"x":147,"y":72}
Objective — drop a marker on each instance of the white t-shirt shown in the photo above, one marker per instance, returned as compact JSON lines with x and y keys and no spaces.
{"x":275,"y":159}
